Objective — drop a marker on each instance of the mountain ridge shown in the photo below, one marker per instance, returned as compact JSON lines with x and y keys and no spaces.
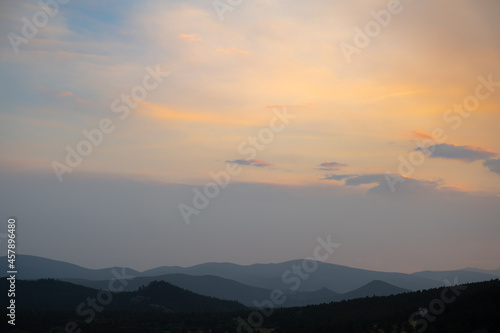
{"x":247,"y":283}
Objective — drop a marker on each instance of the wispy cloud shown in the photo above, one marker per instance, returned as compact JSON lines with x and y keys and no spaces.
{"x":65,"y":93}
{"x":387,"y":184}
{"x":331,"y":166}
{"x":392,"y":184}
{"x":191,"y":37}
{"x":365,"y":179}
{"x":77,"y":99}
{"x":461,"y":153}
{"x":171,"y":114}
{"x":254,"y":162}
{"x":80,"y":100}
{"x":337,"y":177}
{"x":422,"y":135}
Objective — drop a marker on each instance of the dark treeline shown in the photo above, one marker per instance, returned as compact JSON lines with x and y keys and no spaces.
{"x":475,"y":308}
{"x":469,"y":308}
{"x":52,"y":294}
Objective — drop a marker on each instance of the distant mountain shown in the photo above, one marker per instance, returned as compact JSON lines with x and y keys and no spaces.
{"x":338,"y":278}
{"x":495,"y":272}
{"x":246,"y":283}
{"x":206,"y":285}
{"x":33,"y":267}
{"x":374,"y":288}
{"x":50,"y":294}
{"x":461,"y":276}
{"x":226,"y":289}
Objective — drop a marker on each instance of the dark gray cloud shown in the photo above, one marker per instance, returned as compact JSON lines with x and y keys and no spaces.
{"x":254,"y":162}
{"x":394,"y":184}
{"x":337,"y":177}
{"x":461,"y":153}
{"x":328,"y":166}
{"x":365,"y":179}
{"x":113,"y":205}
{"x":493,"y":165}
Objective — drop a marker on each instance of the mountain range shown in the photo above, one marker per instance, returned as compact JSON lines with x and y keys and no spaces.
{"x":250,"y":283}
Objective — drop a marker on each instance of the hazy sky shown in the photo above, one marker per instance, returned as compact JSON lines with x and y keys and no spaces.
{"x":374,"y":122}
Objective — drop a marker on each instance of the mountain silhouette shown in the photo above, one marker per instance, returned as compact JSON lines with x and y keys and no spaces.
{"x":51,"y":294}
{"x":249,"y":283}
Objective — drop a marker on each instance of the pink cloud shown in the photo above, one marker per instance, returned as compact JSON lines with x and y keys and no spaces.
{"x":191,"y":37}
{"x":419,"y":134}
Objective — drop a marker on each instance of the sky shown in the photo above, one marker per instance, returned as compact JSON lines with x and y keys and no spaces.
{"x":154,"y":133}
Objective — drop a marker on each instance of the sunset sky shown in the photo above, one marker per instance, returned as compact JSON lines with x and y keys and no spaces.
{"x":393,"y":149}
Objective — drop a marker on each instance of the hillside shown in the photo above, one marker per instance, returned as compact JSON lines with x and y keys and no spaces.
{"x":207,"y":285}
{"x":165,"y":297}
{"x":50,"y":294}
{"x":473,"y":307}
{"x":374,"y":288}
{"x":469,"y":308}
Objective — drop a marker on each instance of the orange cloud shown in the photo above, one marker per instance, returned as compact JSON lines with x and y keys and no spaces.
{"x":167,"y":113}
{"x":65,"y":93}
{"x":232,"y":50}
{"x":419,"y":134}
{"x":190,"y":38}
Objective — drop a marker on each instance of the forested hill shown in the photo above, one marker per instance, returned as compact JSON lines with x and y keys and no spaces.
{"x":471,"y":308}
{"x":50,"y":294}
{"x":466,"y":308}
